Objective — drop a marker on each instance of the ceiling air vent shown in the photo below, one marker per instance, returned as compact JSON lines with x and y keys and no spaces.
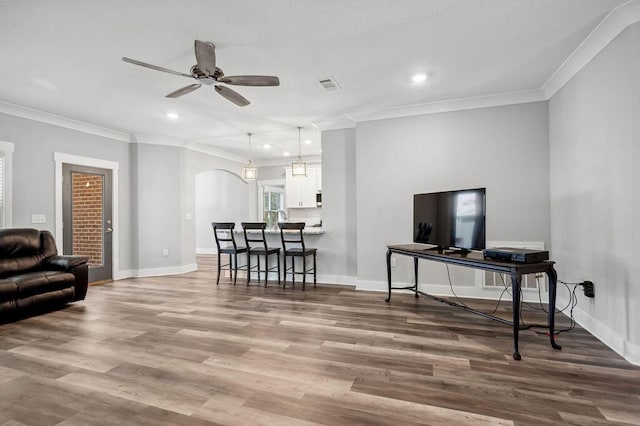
{"x":329,"y":83}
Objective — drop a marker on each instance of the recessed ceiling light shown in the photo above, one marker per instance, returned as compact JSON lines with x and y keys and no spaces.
{"x":285,"y":154}
{"x":172,"y":116}
{"x":419,"y":78}
{"x":266,"y":146}
{"x":307,"y":142}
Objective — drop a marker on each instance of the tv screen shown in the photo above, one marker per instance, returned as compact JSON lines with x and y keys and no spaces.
{"x":450,"y":219}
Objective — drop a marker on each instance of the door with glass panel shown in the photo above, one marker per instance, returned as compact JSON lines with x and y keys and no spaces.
{"x":273,"y":206}
{"x":87,"y":224}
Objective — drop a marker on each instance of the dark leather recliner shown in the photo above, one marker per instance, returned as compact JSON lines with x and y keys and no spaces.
{"x":33,"y":275}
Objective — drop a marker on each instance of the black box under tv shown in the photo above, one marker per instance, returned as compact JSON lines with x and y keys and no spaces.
{"x":517,"y":255}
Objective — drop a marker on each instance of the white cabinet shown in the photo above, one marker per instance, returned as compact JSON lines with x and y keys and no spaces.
{"x":301,"y":192}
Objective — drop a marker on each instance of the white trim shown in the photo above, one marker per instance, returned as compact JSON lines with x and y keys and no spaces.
{"x":337,"y":279}
{"x":604,"y":33}
{"x":607,"y":335}
{"x":470,"y":291}
{"x":286,"y":161}
{"x":449,"y":105}
{"x":190,"y":145}
{"x":60,"y":121}
{"x":167,"y":270}
{"x":62,"y":158}
{"x":335,"y":124}
{"x":7,"y":148}
{"x":207,"y":250}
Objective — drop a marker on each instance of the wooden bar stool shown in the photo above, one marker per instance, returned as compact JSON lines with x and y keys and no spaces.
{"x":259,"y":248}
{"x":293,"y":245}
{"x":223,"y":233}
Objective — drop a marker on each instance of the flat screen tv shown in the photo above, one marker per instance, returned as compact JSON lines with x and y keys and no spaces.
{"x":450,"y":219}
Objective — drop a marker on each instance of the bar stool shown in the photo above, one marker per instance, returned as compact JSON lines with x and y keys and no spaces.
{"x":223,"y":232}
{"x":293,"y":245}
{"x":259,"y":248}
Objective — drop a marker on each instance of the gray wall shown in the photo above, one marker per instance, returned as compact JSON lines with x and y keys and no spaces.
{"x":595,"y":203}
{"x":338,"y":245}
{"x":504,"y":149}
{"x":166,"y":195}
{"x":219,"y":197}
{"x":34,"y":172}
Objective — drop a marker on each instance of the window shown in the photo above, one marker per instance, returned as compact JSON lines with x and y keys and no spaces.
{"x":6,"y":151}
{"x":273,"y":202}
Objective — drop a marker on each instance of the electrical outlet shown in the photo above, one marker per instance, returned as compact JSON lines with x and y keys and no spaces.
{"x":589,"y":291}
{"x":165,"y":252}
{"x":38,"y":218}
{"x":394,"y":262}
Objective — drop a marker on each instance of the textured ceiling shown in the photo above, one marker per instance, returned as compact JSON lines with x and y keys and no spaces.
{"x":63,"y":57}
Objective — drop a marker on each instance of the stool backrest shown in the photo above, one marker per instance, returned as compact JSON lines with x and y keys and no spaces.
{"x":223,"y":232}
{"x":258,"y":238}
{"x":290,"y":238}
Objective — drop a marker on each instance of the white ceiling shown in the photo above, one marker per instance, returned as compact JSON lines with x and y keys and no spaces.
{"x":63,"y":57}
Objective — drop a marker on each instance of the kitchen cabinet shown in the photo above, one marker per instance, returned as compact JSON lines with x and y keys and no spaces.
{"x":301,"y":192}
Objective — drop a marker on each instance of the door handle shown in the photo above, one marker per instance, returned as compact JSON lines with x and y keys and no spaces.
{"x":108,"y":230}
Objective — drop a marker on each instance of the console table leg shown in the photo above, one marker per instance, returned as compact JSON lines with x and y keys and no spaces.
{"x":553,"y":281}
{"x":388,"y":275}
{"x":415,"y":273}
{"x":515,"y":291}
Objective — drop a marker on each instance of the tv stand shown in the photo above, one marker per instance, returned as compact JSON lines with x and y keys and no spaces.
{"x":477,"y":260}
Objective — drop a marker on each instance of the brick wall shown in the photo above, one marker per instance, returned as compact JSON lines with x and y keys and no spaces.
{"x":87,"y":216}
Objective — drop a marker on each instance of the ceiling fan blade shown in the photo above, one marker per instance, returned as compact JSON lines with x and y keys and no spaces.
{"x":206,"y":57}
{"x":251,"y":80}
{"x":154,"y":67}
{"x":232,"y":95}
{"x":183,"y":91}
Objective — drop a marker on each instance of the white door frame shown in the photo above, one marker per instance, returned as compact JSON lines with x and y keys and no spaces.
{"x":61,"y":158}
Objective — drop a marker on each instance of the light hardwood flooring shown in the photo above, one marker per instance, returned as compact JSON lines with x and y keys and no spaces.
{"x":179,"y":350}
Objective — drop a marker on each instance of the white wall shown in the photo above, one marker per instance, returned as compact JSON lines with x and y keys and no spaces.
{"x":220,"y":196}
{"x":504,"y":149}
{"x":595,"y":203}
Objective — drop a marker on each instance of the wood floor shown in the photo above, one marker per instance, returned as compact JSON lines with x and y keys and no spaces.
{"x":180,"y":350}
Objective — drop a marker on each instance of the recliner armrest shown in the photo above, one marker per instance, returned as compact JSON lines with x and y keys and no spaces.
{"x":64,"y":263}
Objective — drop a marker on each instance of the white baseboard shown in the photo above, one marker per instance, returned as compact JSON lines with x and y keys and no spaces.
{"x":604,"y":333}
{"x":337,"y":279}
{"x":206,"y":250}
{"x":155,"y":272}
{"x":460,"y":291}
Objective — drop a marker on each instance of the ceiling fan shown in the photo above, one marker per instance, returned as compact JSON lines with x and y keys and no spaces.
{"x":206,"y":72}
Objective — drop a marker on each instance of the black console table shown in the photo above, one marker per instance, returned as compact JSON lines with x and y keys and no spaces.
{"x":477,"y":260}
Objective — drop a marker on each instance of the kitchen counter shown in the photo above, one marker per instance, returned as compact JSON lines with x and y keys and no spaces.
{"x":311,"y":230}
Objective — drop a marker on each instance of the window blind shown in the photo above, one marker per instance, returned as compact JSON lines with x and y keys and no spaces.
{"x":1,"y":190}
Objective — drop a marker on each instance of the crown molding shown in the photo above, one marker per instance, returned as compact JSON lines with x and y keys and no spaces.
{"x":190,"y":145}
{"x":286,"y":161}
{"x":604,"y":33}
{"x":335,"y":124}
{"x":451,"y":105}
{"x":60,"y":121}
{"x":607,"y":30}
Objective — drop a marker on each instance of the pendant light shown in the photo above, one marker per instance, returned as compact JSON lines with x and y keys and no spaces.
{"x":249,"y":172}
{"x":299,"y":167}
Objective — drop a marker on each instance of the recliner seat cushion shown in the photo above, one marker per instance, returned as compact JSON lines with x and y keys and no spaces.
{"x":41,"y":282}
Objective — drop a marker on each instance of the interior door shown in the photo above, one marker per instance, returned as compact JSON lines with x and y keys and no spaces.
{"x":87,"y":226}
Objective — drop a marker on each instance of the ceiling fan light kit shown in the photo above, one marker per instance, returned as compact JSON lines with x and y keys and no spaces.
{"x":299,"y":167}
{"x":206,"y":72}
